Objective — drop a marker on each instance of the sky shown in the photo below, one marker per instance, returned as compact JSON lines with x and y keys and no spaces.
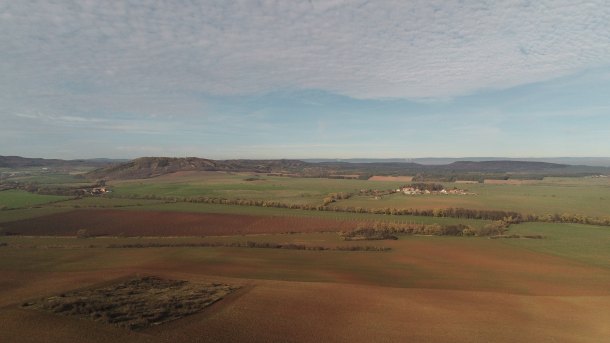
{"x":304,"y":79}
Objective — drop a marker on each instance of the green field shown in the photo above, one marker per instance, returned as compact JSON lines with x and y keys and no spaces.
{"x":585,"y":243}
{"x":105,"y":202}
{"x":589,"y":197}
{"x":12,"y":199}
{"x":585,"y":196}
{"x":234,"y":186}
{"x":582,"y":196}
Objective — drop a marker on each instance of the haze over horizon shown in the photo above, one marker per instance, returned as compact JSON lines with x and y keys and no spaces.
{"x":317,"y":79}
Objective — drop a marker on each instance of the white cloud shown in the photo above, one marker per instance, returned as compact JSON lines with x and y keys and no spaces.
{"x":377,"y":49}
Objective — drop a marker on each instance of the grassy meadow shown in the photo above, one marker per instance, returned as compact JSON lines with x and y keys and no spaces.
{"x":13,"y":199}
{"x":586,"y":196}
{"x":586,"y":243}
{"x":289,"y":190}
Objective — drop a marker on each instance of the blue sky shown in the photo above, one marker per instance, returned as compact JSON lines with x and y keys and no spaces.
{"x":298,"y":79}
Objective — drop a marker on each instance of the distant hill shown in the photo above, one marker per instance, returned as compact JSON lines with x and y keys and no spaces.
{"x":501,"y":166}
{"x":576,"y":161}
{"x":147,"y":167}
{"x":24,"y":162}
{"x":580,"y":161}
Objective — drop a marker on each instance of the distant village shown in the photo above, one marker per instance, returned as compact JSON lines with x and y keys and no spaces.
{"x":416,"y":189}
{"x":95,"y":191}
{"x":409,"y":190}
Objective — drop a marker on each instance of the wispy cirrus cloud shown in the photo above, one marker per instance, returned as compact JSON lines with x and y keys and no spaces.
{"x":358,"y":48}
{"x":301,"y":77}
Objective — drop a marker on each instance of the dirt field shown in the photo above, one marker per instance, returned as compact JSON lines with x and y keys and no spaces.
{"x":158,"y":223}
{"x":337,"y":311}
{"x":391,"y":178}
{"x":426,"y":289}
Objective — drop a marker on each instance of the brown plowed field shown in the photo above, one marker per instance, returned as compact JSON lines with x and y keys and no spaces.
{"x":159,"y":223}
{"x":279,"y":311}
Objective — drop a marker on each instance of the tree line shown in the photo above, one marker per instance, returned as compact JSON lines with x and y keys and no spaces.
{"x":381,"y":230}
{"x":511,"y":217}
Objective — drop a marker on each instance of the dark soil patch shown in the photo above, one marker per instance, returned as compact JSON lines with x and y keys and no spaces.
{"x":136,"y":304}
{"x":160,"y":223}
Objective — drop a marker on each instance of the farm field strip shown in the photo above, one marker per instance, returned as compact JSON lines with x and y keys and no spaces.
{"x":157,"y":223}
{"x":516,"y":288}
{"x":585,"y":243}
{"x":272,"y":211}
{"x":14,"y":199}
{"x":469,"y":264}
{"x":328,"y":240}
{"x":586,"y":196}
{"x":232,"y":186}
{"x":272,"y":310}
{"x":20,"y":214}
{"x":589,"y":200}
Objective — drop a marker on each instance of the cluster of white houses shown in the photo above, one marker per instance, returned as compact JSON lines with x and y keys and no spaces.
{"x":417,"y":191}
{"x":97,"y":191}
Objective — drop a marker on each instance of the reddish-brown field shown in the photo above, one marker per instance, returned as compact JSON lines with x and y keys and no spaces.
{"x":426,"y":289}
{"x":160,"y":223}
{"x":339,"y":310}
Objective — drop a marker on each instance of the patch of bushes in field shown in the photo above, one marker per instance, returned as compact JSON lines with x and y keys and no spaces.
{"x":64,"y":190}
{"x":136,"y":304}
{"x":367,"y":234}
{"x":333,"y":197}
{"x":571,"y":218}
{"x":254,"y":179}
{"x":83,"y":233}
{"x":388,"y":230}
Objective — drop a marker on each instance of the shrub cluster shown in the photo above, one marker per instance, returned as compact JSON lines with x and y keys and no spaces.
{"x":332,"y":197}
{"x":570,"y":218}
{"x":387,"y":230}
{"x":432,"y":187}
